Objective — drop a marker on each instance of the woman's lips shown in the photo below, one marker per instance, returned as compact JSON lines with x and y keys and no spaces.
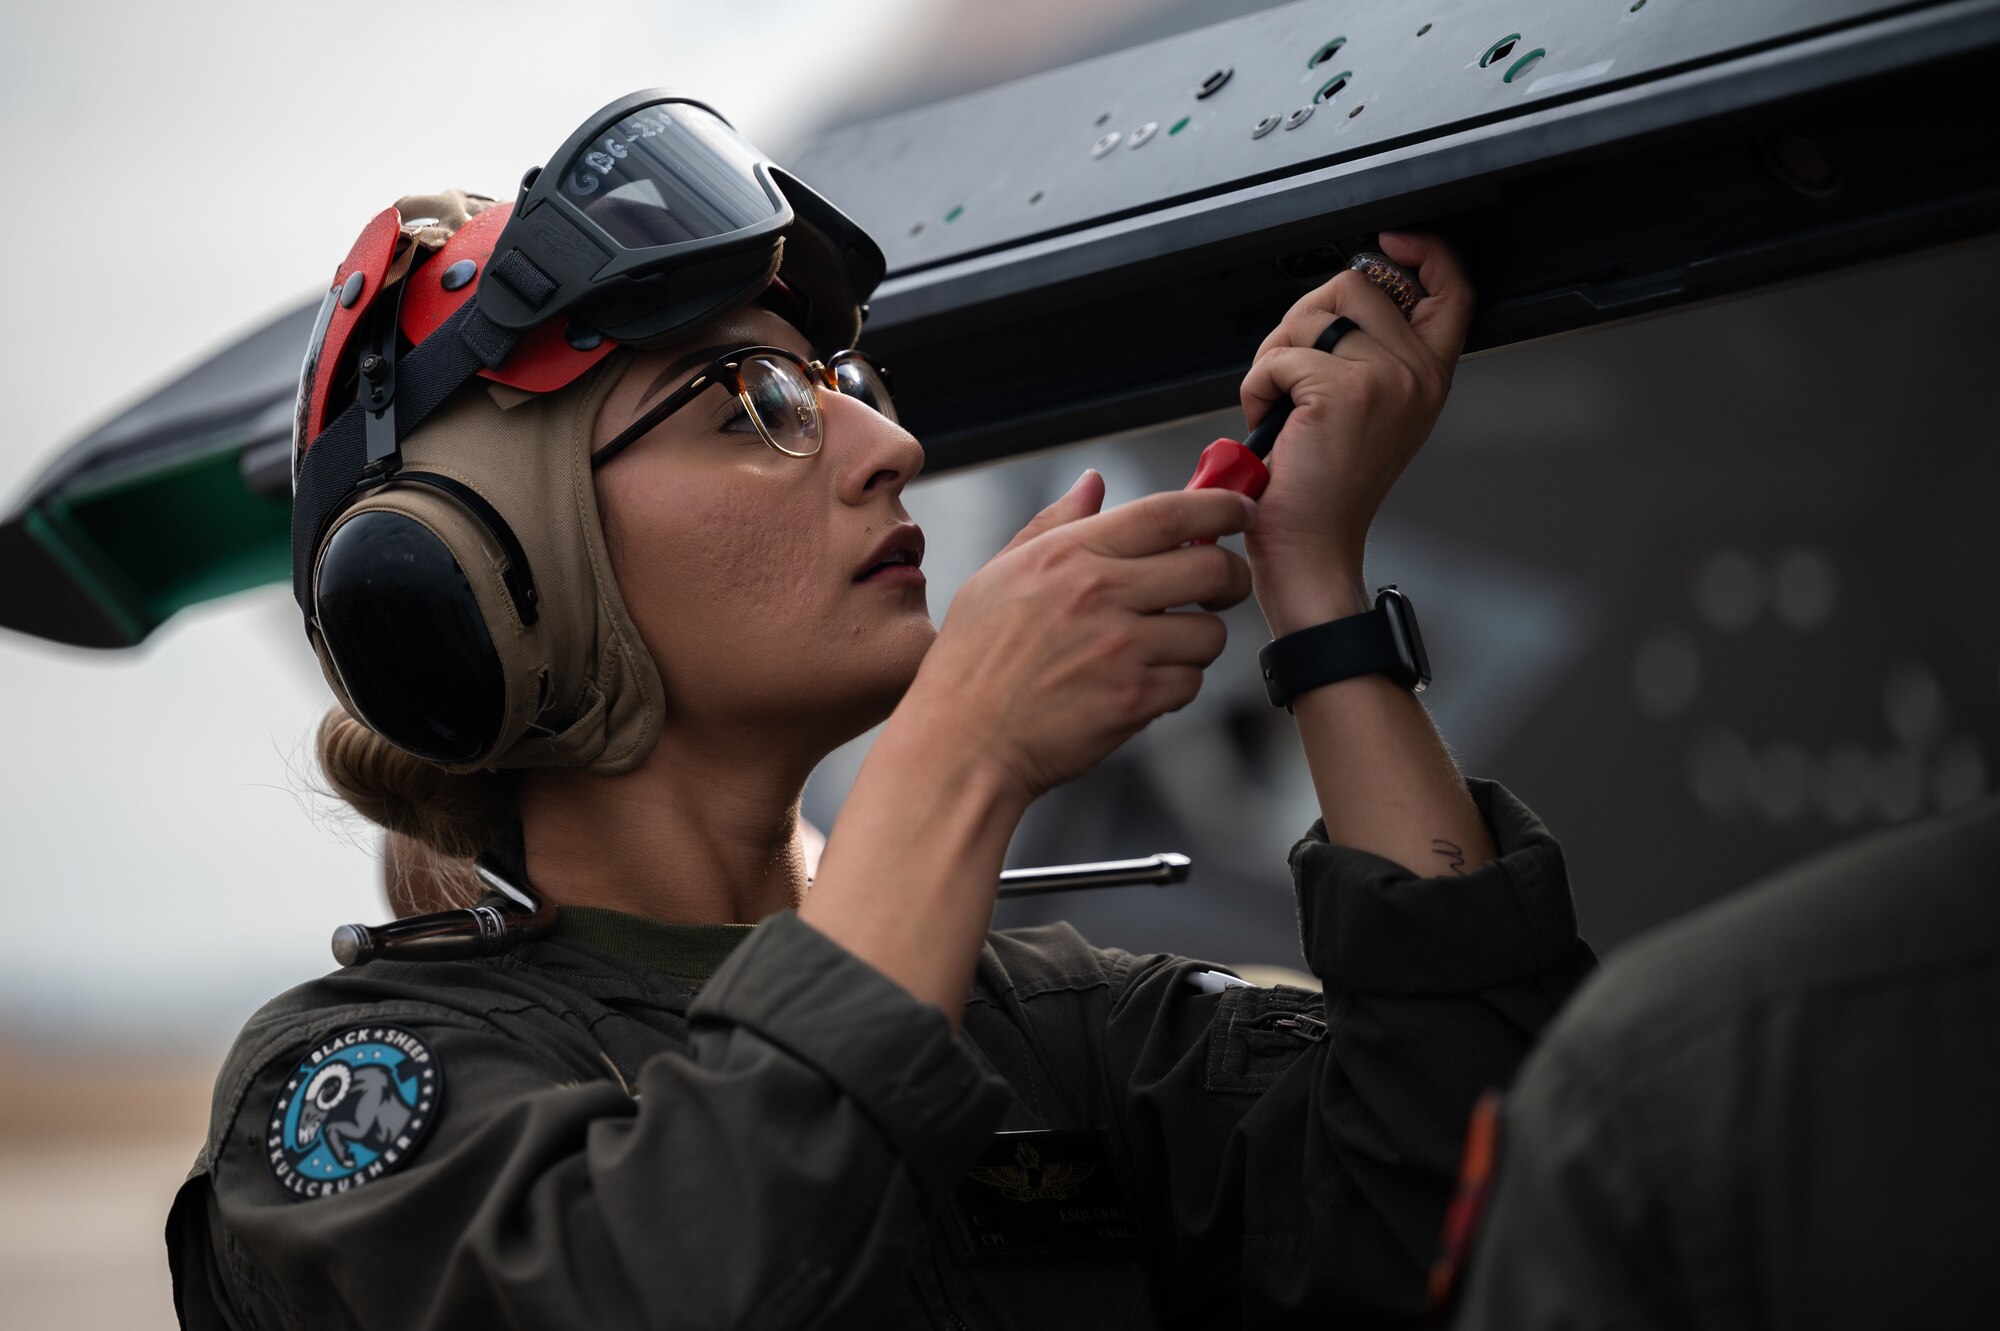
{"x":894,"y":575}
{"x":897,"y":558}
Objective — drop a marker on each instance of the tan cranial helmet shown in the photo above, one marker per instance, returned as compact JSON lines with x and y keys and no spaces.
{"x":566,"y":673}
{"x":463,"y":605}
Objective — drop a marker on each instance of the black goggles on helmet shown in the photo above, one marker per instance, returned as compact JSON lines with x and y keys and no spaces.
{"x":652,"y":217}
{"x":642,"y":211}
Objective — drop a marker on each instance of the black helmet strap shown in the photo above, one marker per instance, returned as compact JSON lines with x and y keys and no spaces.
{"x":436,"y":368}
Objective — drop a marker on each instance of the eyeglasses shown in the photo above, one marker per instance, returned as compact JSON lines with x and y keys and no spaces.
{"x":777,"y":390}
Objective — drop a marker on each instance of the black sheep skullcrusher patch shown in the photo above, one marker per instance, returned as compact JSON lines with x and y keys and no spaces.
{"x":1043,"y":1194}
{"x":355,"y":1108}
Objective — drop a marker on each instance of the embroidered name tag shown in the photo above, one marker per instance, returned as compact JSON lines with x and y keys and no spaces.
{"x":1037,"y":1194}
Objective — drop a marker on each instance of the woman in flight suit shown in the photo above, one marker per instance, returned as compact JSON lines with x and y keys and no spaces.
{"x":719,"y":1095}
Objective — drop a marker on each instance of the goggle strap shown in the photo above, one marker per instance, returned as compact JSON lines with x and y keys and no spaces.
{"x":489,"y":343}
{"x":436,"y":368}
{"x":519,"y":275}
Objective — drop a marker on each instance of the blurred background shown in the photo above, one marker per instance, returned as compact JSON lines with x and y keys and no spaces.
{"x":1710,"y":591}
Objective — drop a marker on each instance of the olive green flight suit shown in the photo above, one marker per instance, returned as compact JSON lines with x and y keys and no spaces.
{"x":631,"y":1124}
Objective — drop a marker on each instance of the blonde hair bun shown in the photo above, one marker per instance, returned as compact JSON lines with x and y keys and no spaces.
{"x":453,"y":815}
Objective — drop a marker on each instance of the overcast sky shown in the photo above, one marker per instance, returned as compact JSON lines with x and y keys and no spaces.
{"x":177,"y":174}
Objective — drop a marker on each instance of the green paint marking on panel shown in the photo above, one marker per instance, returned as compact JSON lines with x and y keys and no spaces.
{"x":188,"y":533}
{"x":158,"y":540}
{"x":48,"y":531}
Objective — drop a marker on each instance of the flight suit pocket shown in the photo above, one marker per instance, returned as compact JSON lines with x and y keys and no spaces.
{"x":1259,"y":1033}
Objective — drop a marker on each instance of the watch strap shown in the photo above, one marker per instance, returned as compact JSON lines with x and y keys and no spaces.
{"x":1326,"y":653}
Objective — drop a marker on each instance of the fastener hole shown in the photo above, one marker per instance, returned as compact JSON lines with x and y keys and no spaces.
{"x":1427,"y":27}
{"x":1524,"y":64}
{"x":1036,"y":197}
{"x":1326,"y":53}
{"x":1355,"y":112}
{"x":917,"y":229}
{"x":1637,"y":5}
{"x":1103,"y":119}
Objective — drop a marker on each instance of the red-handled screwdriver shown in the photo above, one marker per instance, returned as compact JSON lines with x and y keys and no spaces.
{"x":1229,"y":465}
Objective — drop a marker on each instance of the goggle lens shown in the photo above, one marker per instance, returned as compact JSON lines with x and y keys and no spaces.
{"x":668,"y":173}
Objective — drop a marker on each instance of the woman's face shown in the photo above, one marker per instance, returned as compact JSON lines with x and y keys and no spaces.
{"x":747,"y":571}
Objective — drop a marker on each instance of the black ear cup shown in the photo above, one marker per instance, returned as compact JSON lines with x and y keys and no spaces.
{"x":399,"y":621}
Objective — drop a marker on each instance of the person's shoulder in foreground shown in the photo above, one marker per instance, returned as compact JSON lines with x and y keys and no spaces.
{"x":1774,"y":1112}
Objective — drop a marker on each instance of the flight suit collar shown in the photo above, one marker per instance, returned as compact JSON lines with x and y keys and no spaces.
{"x":689,"y":952}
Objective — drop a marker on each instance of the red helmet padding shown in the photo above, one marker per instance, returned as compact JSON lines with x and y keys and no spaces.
{"x":370,"y":257}
{"x":543,"y":362}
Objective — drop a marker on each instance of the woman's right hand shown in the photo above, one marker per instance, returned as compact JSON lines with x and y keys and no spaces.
{"x":1052,"y":655}
{"x":1067,"y":643}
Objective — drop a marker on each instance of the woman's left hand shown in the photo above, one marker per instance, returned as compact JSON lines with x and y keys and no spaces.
{"x":1359,"y":415}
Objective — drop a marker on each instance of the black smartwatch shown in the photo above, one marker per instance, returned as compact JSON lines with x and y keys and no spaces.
{"x":1384,"y":639}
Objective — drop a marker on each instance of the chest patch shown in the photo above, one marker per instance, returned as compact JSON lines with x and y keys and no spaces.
{"x":356,"y":1108}
{"x":1040,"y":1194}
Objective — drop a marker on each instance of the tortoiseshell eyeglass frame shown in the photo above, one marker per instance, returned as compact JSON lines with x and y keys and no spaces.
{"x":727,"y":370}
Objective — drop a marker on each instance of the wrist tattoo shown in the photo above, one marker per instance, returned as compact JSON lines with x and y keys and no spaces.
{"x":1454,"y":857}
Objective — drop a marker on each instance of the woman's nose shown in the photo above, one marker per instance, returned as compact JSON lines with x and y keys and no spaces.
{"x":871,"y":453}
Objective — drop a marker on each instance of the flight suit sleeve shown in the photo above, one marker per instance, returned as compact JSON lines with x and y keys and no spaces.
{"x":1300,"y":1150}
{"x":774,"y":1176}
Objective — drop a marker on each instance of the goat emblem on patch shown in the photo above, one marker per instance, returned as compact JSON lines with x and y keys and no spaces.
{"x":354,"y":1109}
